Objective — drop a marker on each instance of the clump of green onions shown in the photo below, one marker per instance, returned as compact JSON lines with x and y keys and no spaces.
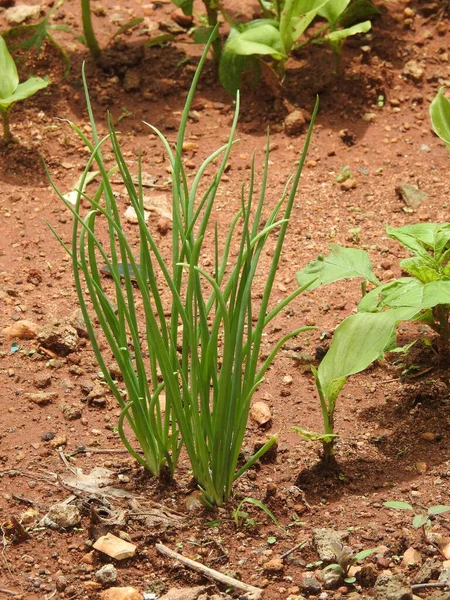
{"x":205,"y":355}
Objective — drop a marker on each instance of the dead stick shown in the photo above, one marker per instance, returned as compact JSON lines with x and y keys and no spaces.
{"x":8,"y":592}
{"x":421,"y":586}
{"x":286,"y":554}
{"x":211,"y":573}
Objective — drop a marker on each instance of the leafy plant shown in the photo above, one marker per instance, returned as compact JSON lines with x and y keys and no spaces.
{"x":11,"y":91}
{"x":364,"y":337}
{"x":344,"y":20}
{"x":421,"y":520}
{"x":345,"y":559}
{"x":202,"y":348}
{"x":278,"y":33}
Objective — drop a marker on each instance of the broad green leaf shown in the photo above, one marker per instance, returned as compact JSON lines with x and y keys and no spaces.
{"x":25,"y":90}
{"x":340,"y":35}
{"x":332,"y":10}
{"x":419,"y":521}
{"x":358,"y":341}
{"x":231,"y":68}
{"x":422,"y":237}
{"x":258,"y":37}
{"x":350,"y":579}
{"x":342,"y":263}
{"x":363,"y":554}
{"x":418,"y":294}
{"x":420,"y":268}
{"x":201,"y":35}
{"x":357,"y":11}
{"x":333,"y":567}
{"x":334,"y":389}
{"x":440,"y":116}
{"x":407,"y":292}
{"x":185,"y":5}
{"x":438,"y":510}
{"x":9,"y":78}
{"x":398,"y":505}
{"x":296,"y":16}
{"x":314,"y":436}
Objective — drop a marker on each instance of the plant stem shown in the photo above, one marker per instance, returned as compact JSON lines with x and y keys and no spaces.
{"x":88,"y":30}
{"x":212,"y":13}
{"x":328,"y":447}
{"x":7,"y":137}
{"x":440,"y":313}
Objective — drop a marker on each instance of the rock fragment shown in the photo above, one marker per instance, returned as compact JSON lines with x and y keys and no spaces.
{"x":310,"y":586}
{"x":274,"y":565}
{"x":411,"y":557}
{"x":295,"y":123}
{"x":132,"y":80}
{"x":60,"y":338}
{"x":21,"y":13}
{"x":42,"y":381}
{"x":414,"y":70}
{"x":71,"y":412}
{"x":260,"y":413}
{"x":61,"y":516}
{"x":181,"y":19}
{"x":323,"y":540}
{"x":77,"y":321}
{"x":41,"y":398}
{"x":106,"y":575}
{"x":120,"y":593}
{"x":185,"y":593}
{"x":392,"y":587}
{"x":411,"y":195}
{"x":21,"y":330}
{"x":114,"y":547}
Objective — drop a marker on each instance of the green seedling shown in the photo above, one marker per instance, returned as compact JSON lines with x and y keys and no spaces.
{"x":344,"y":173}
{"x":328,"y":438}
{"x":242,"y":517}
{"x":421,"y":520}
{"x":32,"y":37}
{"x":11,"y":91}
{"x":345,"y":559}
{"x":344,"y":20}
{"x":177,"y":329}
{"x":366,"y":336}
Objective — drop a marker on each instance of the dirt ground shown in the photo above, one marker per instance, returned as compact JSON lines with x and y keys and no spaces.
{"x":393,"y":419}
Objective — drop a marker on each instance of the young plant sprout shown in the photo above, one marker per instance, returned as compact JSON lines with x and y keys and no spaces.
{"x":11,"y":91}
{"x":423,"y":296}
{"x":345,"y":559}
{"x":421,"y":520}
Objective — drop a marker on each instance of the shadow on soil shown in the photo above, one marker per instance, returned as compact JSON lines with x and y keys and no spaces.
{"x":414,"y":435}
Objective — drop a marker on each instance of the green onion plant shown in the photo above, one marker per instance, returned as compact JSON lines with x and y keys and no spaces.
{"x":203,"y":348}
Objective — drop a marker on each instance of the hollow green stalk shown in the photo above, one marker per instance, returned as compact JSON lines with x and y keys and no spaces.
{"x":88,"y":30}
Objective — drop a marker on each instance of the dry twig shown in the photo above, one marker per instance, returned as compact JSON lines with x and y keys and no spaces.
{"x":254,"y":592}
